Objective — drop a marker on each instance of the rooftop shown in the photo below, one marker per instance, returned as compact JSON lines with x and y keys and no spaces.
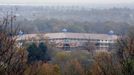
{"x":69,"y":36}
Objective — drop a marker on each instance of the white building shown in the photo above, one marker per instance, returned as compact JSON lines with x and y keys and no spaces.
{"x":73,"y":40}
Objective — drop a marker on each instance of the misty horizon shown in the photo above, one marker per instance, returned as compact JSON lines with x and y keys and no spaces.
{"x":124,"y":5}
{"x":91,"y":3}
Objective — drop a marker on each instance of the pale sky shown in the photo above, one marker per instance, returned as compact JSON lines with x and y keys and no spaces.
{"x":65,"y":1}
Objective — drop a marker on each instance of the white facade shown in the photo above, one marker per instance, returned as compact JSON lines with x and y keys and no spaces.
{"x":73,"y":39}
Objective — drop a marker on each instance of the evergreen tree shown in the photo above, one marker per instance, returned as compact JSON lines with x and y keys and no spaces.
{"x":33,"y":53}
{"x":44,"y":55}
{"x":38,"y":53}
{"x":43,"y":47}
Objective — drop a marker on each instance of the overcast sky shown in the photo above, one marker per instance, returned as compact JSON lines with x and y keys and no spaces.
{"x":65,"y":1}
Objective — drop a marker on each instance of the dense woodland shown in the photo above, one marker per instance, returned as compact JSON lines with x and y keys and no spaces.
{"x":34,"y":19}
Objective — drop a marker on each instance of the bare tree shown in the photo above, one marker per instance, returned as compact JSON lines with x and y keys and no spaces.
{"x":12,"y":58}
{"x":104,"y":64}
{"x":125,"y":52}
{"x":89,"y":46}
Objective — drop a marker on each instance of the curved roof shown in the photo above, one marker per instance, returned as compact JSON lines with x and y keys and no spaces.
{"x":68,"y":35}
